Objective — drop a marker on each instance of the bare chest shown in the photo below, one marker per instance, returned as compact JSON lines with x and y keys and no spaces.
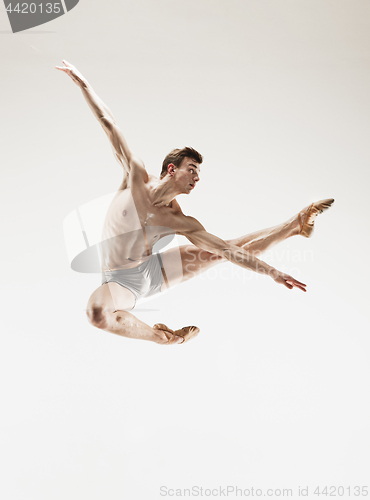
{"x":131,"y":211}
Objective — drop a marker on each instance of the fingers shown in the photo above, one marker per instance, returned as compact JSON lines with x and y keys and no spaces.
{"x":291,"y":283}
{"x":299,"y":285}
{"x":66,"y":66}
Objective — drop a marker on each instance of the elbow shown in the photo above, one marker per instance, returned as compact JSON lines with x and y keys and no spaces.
{"x":107,"y":123}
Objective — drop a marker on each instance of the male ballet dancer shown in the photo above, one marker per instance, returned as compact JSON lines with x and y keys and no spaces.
{"x":144,"y":210}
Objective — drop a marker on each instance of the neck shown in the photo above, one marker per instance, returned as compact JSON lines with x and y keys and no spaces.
{"x":164,"y":192}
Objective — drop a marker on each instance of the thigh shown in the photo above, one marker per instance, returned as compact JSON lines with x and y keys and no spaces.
{"x":111,"y":297}
{"x":185,"y":262}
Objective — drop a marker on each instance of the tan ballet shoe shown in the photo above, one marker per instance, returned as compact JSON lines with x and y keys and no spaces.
{"x":307,"y":217}
{"x":187,"y":333}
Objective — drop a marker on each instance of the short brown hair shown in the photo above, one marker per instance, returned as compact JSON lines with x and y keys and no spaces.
{"x":177,"y":155}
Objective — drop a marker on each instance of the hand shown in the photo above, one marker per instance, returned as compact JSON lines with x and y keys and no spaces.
{"x":289,"y":282}
{"x":73,"y":73}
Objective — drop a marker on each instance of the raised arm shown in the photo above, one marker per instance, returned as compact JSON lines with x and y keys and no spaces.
{"x":106,"y":119}
{"x":197,"y":235}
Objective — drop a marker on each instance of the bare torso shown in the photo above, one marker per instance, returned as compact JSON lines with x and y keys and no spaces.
{"x":133,"y":225}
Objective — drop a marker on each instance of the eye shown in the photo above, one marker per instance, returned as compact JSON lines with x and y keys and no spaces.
{"x":192,"y":170}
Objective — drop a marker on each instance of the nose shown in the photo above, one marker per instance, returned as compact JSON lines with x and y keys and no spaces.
{"x":196,"y":178}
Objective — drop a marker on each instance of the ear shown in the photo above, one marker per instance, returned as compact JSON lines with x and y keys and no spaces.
{"x":171,"y":168}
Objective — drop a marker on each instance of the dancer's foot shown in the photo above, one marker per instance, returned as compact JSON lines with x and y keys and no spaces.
{"x":306,"y":218}
{"x":177,"y":336}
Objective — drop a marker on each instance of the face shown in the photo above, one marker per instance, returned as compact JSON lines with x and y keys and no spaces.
{"x":186,"y":175}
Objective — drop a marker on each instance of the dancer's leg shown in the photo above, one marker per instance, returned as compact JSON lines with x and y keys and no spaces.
{"x":194,"y":261}
{"x":261,"y":241}
{"x":302,"y":223}
{"x":107,"y":310}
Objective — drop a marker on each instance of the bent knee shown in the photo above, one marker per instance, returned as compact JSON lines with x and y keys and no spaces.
{"x":97,"y":316}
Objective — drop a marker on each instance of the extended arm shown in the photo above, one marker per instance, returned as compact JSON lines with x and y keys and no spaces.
{"x":197,"y":235}
{"x":106,"y":119}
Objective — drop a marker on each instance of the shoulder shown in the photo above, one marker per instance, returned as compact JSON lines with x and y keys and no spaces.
{"x":137,"y":169}
{"x":188,"y":224}
{"x":136,"y":173}
{"x":194,"y":224}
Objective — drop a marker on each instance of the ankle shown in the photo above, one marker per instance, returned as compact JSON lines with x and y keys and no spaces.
{"x":159,"y":337}
{"x":294,"y":226}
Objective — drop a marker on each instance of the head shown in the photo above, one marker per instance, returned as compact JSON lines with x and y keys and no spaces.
{"x":183,"y":165}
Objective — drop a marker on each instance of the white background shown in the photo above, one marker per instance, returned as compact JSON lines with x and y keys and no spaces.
{"x":274,"y":392}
